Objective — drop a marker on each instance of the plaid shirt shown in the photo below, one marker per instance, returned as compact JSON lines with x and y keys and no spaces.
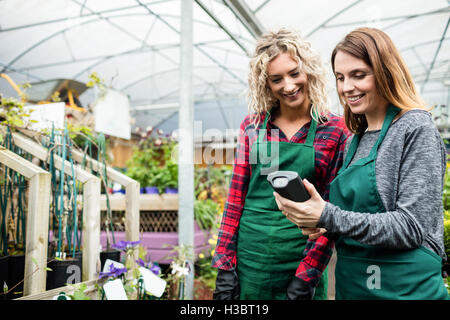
{"x":329,"y":143}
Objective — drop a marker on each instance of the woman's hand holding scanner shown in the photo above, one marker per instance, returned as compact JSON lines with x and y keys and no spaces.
{"x":305,"y":214}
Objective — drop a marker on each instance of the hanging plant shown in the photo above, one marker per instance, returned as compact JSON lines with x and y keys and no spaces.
{"x":97,"y":82}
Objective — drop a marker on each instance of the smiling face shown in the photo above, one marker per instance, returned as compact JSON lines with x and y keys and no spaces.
{"x":356,"y":85}
{"x":287,"y":83}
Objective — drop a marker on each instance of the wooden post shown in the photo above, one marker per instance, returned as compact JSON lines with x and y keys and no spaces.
{"x":37,"y":234}
{"x":132,"y":211}
{"x":91,"y":229}
{"x":37,"y":220}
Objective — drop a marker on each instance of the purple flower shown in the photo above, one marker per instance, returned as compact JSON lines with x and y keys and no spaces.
{"x":141,"y":263}
{"x":149,"y":265}
{"x":155,"y":269}
{"x":113,"y":272}
{"x":125,"y":245}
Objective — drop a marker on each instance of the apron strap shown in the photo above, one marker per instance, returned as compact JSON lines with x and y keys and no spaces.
{"x":391,"y":112}
{"x":264,"y":127}
{"x":309,"y":138}
{"x":311,"y":132}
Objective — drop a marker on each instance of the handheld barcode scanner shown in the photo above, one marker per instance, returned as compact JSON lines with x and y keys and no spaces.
{"x":289,"y":185}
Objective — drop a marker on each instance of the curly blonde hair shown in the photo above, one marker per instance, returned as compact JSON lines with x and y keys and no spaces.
{"x":269,"y":46}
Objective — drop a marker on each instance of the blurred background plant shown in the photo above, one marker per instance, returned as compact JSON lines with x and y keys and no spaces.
{"x":177,"y":272}
{"x":151,"y":163}
{"x":446,"y":203}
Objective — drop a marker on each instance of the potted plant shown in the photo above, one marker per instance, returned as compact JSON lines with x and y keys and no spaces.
{"x":169,"y":179}
{"x":152,"y":162}
{"x":130,"y":273}
{"x":144,"y":168}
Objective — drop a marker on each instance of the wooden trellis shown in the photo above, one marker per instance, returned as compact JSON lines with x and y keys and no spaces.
{"x":37,"y":220}
{"x":132,"y":191}
{"x":91,"y":209}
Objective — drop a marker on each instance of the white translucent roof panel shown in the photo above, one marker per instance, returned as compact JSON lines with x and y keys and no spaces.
{"x":134,"y":46}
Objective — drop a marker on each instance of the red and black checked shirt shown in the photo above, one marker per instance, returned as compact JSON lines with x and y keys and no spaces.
{"x":329,"y":145}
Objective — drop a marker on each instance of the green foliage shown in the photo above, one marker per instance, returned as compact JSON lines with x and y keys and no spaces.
{"x":96,"y":81}
{"x":208,"y":178}
{"x":152,"y":163}
{"x":206,"y":272}
{"x":14,"y":113}
{"x":205,"y":213}
{"x":79,"y":292}
{"x":446,"y":202}
{"x":80,"y":134}
{"x":447,"y":233}
{"x":446,"y":193}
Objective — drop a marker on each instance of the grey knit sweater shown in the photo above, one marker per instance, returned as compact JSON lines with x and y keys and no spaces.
{"x":410,"y":168}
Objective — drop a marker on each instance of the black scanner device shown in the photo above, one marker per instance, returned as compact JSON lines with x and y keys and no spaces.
{"x":289,"y":185}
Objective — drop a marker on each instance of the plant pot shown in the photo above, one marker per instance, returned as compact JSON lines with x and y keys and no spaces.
{"x":171,"y":190}
{"x":111,"y":254}
{"x":64,"y":272}
{"x":4,"y":261}
{"x":16,"y":274}
{"x":151,"y":190}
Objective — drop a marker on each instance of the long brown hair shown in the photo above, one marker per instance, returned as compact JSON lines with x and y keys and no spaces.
{"x":392,"y":77}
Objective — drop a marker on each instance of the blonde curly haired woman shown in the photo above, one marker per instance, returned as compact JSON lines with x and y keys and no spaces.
{"x":260,"y":254}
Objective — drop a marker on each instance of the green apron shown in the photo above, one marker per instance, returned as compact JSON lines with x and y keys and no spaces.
{"x":372,"y":272}
{"x":270,"y":247}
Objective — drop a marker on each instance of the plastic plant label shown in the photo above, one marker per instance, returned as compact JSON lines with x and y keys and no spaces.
{"x":114,"y":290}
{"x":116,"y":264}
{"x":152,"y":283}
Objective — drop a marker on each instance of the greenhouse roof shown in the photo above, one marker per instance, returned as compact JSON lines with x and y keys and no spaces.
{"x":134,"y":45}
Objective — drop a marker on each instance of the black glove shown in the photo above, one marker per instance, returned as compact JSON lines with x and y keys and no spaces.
{"x":227,"y":285}
{"x":298,"y":289}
